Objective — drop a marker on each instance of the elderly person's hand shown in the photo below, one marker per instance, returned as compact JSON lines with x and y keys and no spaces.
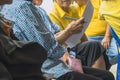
{"x":75,"y":26}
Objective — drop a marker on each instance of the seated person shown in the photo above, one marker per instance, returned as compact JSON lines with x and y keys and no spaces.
{"x":53,"y":65}
{"x":19,"y":60}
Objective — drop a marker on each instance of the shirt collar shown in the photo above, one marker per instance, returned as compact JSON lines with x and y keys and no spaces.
{"x":61,"y":12}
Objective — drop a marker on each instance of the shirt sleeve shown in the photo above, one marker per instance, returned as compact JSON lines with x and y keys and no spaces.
{"x":54,"y":27}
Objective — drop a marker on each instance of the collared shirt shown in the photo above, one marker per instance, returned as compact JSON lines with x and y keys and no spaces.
{"x":96,"y":27}
{"x":110,"y":11}
{"x":29,"y":26}
{"x":57,"y":15}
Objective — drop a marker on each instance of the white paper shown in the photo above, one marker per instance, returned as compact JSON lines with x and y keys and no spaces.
{"x":74,"y":39}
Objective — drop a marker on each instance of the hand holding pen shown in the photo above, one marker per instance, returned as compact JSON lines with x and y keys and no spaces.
{"x":72,"y":19}
{"x":75,"y":26}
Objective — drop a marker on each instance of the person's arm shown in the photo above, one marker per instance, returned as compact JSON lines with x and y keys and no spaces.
{"x":62,"y":36}
{"x":106,"y":40}
{"x":73,"y":28}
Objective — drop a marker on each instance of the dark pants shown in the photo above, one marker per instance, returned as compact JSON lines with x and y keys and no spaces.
{"x":89,"y":74}
{"x":88,"y":52}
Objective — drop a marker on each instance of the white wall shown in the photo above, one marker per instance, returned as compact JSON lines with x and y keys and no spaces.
{"x":47,"y":5}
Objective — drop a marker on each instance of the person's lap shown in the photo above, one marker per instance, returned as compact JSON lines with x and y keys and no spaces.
{"x":89,"y":52}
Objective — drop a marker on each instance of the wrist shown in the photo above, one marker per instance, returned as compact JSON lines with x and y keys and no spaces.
{"x":108,"y":36}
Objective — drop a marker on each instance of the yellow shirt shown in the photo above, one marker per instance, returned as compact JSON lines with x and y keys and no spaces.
{"x":110,"y":11}
{"x":96,"y":27}
{"x":57,"y":15}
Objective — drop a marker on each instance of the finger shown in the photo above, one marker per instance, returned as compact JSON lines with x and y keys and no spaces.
{"x":80,"y":21}
{"x":103,"y":44}
{"x":106,"y":45}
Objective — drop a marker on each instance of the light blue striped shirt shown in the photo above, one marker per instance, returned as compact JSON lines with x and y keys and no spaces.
{"x":29,"y":26}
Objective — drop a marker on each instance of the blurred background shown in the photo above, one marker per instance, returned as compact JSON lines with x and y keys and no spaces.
{"x":47,"y":5}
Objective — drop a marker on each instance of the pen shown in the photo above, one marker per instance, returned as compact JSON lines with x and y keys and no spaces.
{"x":72,"y":19}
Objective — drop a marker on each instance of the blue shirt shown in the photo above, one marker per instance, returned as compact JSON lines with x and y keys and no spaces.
{"x":29,"y":26}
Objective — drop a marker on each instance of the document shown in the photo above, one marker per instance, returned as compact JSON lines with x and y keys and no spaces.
{"x":74,"y":39}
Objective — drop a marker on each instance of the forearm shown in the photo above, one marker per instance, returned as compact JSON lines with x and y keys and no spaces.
{"x":62,"y":36}
{"x":107,"y":38}
{"x":108,"y":33}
